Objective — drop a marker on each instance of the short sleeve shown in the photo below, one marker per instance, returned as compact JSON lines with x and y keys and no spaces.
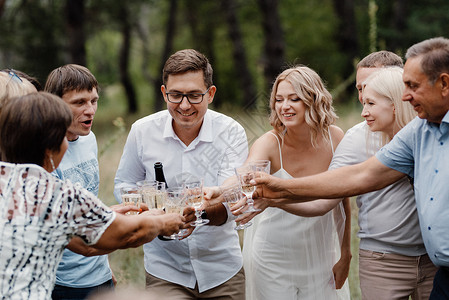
{"x":89,"y":217}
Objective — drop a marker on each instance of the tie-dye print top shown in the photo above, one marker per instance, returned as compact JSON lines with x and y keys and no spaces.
{"x":39,"y":215}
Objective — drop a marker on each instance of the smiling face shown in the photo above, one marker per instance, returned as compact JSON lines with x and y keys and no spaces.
{"x":378,"y":111}
{"x":426,"y":98}
{"x":83,"y":105}
{"x":289,"y":108}
{"x":187,"y":117}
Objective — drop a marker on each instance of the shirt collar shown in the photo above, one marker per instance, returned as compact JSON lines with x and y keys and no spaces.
{"x":205,"y":134}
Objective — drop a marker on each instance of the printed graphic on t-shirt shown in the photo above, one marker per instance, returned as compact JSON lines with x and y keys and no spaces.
{"x":86,"y":173}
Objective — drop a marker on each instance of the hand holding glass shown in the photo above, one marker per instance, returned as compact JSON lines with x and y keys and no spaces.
{"x":194,"y":193}
{"x":232,"y":195}
{"x":245,"y":174}
{"x":131,"y":196}
{"x":175,"y":203}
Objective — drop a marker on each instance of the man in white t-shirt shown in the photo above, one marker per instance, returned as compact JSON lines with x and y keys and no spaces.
{"x":189,"y":137}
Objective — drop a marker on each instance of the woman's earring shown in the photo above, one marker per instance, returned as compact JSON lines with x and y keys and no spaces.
{"x":52,"y":163}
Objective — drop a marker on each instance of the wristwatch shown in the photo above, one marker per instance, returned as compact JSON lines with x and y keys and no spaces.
{"x":203,"y":214}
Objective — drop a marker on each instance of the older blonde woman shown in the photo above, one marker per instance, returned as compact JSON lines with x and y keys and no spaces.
{"x":391,"y":246}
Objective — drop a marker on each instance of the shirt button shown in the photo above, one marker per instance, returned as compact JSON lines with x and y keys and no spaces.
{"x":436,"y":171}
{"x":428,"y":228}
{"x":441,"y":143}
{"x":431,"y":198}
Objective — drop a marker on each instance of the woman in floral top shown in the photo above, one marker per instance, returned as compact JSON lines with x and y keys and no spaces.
{"x":39,"y":214}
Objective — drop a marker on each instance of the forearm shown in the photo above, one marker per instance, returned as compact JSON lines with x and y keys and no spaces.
{"x":77,"y":245}
{"x":343,"y":182}
{"x":308,"y":209}
{"x":127,"y":232}
{"x":346,"y":241}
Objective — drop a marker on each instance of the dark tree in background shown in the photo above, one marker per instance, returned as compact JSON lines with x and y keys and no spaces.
{"x":75,"y":22}
{"x":124,"y":56}
{"x":167,"y":51}
{"x":239,"y":54}
{"x":274,"y":50}
{"x":200,"y":18}
{"x":346,"y":33}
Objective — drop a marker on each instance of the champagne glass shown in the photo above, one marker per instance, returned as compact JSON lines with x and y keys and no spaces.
{"x":153,"y":193}
{"x":232,"y":195}
{"x":245,"y":174}
{"x":262,"y":165}
{"x":194,"y":193}
{"x":131,"y":196}
{"x":175,"y":203}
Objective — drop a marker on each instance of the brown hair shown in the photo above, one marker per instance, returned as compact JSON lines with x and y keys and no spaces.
{"x":435,"y":56}
{"x":68,"y":78}
{"x":188,"y":60}
{"x":309,"y":87}
{"x":32,"y":124}
{"x":381,"y":59}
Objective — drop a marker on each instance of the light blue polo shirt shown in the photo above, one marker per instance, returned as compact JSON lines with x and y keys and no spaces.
{"x":421,"y":150}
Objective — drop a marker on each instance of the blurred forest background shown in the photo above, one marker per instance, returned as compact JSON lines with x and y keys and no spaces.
{"x":248,"y":42}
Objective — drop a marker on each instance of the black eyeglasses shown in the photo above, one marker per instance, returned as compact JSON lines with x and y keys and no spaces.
{"x":193,"y":98}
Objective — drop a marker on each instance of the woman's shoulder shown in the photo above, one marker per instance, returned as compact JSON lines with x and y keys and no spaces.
{"x":269,"y":138}
{"x":336,"y":133}
{"x":266,"y":144}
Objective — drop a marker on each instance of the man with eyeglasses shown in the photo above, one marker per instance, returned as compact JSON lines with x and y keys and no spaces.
{"x":189,"y":137}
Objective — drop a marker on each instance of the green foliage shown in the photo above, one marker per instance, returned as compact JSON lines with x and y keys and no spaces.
{"x":102,"y":56}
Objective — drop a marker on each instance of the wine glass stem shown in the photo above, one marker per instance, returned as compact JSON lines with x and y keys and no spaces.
{"x":197,"y":214}
{"x":250,"y":200}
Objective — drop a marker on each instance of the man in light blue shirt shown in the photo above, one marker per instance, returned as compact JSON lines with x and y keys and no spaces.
{"x":420,"y":150}
{"x":78,"y":276}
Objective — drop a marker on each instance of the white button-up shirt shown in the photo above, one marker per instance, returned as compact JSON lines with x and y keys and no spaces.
{"x":211,"y":255}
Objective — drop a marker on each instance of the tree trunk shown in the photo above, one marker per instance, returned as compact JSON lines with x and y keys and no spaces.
{"x":400,"y":12}
{"x":274,"y":40}
{"x":244,"y":75}
{"x":347,"y":33}
{"x":168,"y":48}
{"x":75,"y":12}
{"x":2,"y":7}
{"x":203,"y":33}
{"x":124,"y":59}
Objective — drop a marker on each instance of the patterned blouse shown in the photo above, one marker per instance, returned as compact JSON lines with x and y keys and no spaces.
{"x":39,"y":215}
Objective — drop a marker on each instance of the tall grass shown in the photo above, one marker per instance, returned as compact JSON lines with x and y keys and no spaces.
{"x":127,"y":265}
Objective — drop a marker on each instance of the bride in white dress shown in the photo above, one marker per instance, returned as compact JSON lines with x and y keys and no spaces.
{"x":291,"y":251}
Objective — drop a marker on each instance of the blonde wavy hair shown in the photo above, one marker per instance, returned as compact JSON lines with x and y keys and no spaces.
{"x":309,"y":87}
{"x":388,"y":83}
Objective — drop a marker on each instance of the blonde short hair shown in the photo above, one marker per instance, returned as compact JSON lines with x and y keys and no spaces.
{"x":309,"y":87}
{"x":388,"y":83}
{"x":12,"y":85}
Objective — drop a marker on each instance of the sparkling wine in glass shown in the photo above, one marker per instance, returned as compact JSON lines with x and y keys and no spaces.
{"x":232,"y":195}
{"x":175,"y":202}
{"x":153,"y":193}
{"x":245,"y":174}
{"x":131,"y":196}
{"x":194,"y":194}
